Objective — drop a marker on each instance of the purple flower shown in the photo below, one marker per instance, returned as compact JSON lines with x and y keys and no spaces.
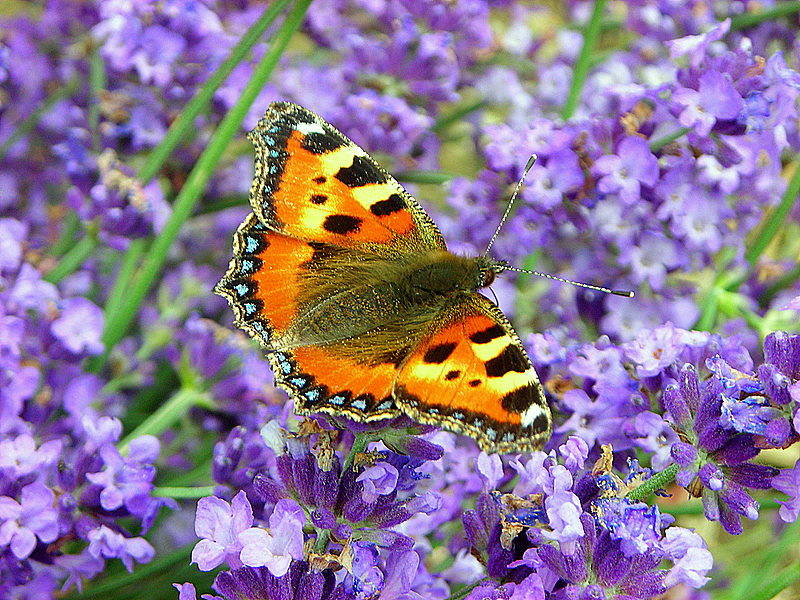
{"x":276,"y":548}
{"x":33,"y":517}
{"x":691,"y":558}
{"x":715,"y":99}
{"x":127,"y":480}
{"x":248,"y":583}
{"x":12,"y":234}
{"x":626,"y":171}
{"x":636,"y":525}
{"x":19,"y":456}
{"x":378,"y":480}
{"x":788,"y":482}
{"x":105,"y":543}
{"x":653,"y":351}
{"x":490,"y":469}
{"x":219,"y":524}
{"x":598,"y":558}
{"x":80,"y":326}
{"x":696,"y":46}
{"x":718,"y":467}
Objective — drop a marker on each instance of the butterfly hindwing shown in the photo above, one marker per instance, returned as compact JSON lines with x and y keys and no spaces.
{"x":472,"y":376}
{"x":337,"y":385}
{"x":264,"y":285}
{"x":313,"y":183}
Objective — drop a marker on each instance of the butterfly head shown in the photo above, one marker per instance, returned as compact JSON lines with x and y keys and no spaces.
{"x":488,"y":269}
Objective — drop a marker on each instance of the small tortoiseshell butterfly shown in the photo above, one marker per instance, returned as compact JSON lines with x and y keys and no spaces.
{"x":348,"y":284}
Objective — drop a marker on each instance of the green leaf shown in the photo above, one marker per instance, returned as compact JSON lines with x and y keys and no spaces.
{"x":119,"y":322}
{"x":751,"y":19}
{"x":658,"y":481}
{"x":776,"y":218}
{"x":581,"y":70}
{"x":73,"y":259}
{"x":30,"y":122}
{"x":184,"y":124}
{"x":184,"y":493}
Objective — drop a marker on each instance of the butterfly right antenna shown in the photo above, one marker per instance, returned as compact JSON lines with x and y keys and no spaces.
{"x":528,"y":166}
{"x":506,"y":267}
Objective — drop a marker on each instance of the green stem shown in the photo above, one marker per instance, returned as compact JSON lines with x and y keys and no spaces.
{"x":201,"y":473}
{"x":183,"y":493}
{"x":434,"y":177}
{"x":142,"y":573}
{"x":776,"y":218}
{"x":27,"y":125}
{"x":767,"y":561}
{"x":458,"y":114}
{"x":66,"y":238}
{"x":97,"y":83}
{"x":167,"y":414}
{"x":185,"y":122}
{"x":73,"y":259}
{"x":463,"y":592}
{"x":696,"y":508}
{"x":659,"y":143}
{"x":187,"y":198}
{"x":360,"y":442}
{"x":776,"y":584}
{"x":751,"y":19}
{"x":222,"y":204}
{"x":658,"y":481}
{"x":581,"y":70}
{"x":126,"y":270}
{"x":783,"y":282}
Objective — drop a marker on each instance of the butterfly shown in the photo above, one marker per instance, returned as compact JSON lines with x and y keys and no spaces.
{"x":348,"y":284}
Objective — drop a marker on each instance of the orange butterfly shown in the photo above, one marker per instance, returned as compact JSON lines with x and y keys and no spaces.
{"x":348,"y":284}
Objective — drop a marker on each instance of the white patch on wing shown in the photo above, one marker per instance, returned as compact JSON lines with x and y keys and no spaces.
{"x":530,"y":414}
{"x":306,"y":128}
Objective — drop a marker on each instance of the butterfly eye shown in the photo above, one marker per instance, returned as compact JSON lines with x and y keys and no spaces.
{"x":488,"y":278}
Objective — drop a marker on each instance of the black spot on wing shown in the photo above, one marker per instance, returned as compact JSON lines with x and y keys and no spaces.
{"x":439,"y":353}
{"x":452,"y":375}
{"x":510,"y":359}
{"x":474,"y":382}
{"x":392,"y":204}
{"x":362,"y":172}
{"x":488,"y":334}
{"x":521,"y":398}
{"x":540,"y":423}
{"x":321,"y":179}
{"x":341,"y":224}
{"x":322,"y":143}
{"x":318,"y":198}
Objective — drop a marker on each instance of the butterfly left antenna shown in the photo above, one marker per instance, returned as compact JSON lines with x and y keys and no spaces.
{"x":528,"y":166}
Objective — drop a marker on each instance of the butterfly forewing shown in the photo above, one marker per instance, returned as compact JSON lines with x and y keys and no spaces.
{"x":315,"y":184}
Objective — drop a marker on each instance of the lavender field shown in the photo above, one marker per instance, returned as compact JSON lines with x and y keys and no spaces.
{"x":144,"y":450}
